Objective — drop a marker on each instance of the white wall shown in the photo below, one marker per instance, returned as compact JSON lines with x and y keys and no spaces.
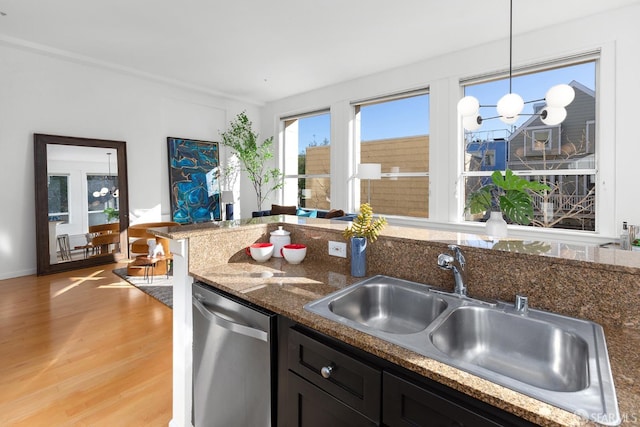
{"x":47,"y":94}
{"x":615,"y":32}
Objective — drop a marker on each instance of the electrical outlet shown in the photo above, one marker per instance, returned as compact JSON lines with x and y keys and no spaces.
{"x":338,"y":249}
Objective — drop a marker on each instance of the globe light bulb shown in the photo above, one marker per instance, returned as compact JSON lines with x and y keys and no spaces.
{"x":472,"y":123}
{"x":468,"y":106}
{"x":560,"y":95}
{"x":552,"y":116}
{"x":510,"y":105}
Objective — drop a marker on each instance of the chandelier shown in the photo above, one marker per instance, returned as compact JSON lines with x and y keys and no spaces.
{"x":510,"y":106}
{"x":105,"y":190}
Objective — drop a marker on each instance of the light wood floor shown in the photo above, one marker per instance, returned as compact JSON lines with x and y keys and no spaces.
{"x":83,"y":348}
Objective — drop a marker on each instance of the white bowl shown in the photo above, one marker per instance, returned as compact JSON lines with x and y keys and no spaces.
{"x":294,"y":253}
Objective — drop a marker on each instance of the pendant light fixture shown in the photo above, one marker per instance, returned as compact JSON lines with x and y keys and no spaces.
{"x":105,"y":190}
{"x":510,"y":106}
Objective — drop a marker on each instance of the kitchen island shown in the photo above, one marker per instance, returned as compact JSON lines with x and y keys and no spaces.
{"x":586,"y":282}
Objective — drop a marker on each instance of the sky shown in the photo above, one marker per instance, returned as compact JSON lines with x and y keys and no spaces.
{"x":410,"y":116}
{"x":406,"y":117}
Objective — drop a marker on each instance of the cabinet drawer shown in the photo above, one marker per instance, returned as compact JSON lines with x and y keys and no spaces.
{"x":312,"y":407}
{"x":348,"y":379}
{"x":407,"y":404}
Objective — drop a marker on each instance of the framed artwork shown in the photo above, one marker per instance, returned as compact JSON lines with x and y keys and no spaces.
{"x":194,"y":180}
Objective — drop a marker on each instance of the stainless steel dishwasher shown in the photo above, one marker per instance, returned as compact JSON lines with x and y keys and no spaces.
{"x":233,"y":361}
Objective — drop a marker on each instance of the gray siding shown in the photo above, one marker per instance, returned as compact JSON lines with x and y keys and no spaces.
{"x":572,"y":131}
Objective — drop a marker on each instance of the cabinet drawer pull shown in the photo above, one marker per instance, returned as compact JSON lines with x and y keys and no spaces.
{"x":327,"y":370}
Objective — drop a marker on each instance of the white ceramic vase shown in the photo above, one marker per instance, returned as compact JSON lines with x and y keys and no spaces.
{"x":496,"y":226}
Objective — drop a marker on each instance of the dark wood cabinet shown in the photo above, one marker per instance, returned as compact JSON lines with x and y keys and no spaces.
{"x":360,"y":389}
{"x":407,"y":404}
{"x":342,"y":376}
{"x":310,"y":406}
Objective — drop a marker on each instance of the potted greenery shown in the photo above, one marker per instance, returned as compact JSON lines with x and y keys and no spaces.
{"x":111,"y":214}
{"x":253,"y":157}
{"x":507,"y":194}
{"x":363,"y":228}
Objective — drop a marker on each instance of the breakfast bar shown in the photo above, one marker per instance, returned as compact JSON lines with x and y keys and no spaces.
{"x":581,"y":281}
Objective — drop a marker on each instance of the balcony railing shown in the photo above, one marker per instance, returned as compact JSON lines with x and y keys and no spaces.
{"x":582,"y":205}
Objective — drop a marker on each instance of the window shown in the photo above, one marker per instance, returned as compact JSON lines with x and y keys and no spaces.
{"x":101,"y":194}
{"x":58,"y":198}
{"x":561,"y":156}
{"x":490,"y":158}
{"x":394,"y":132}
{"x":307,"y":154}
{"x":542,"y":139}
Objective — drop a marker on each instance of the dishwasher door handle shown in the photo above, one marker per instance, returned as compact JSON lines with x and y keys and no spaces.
{"x":230,"y":325}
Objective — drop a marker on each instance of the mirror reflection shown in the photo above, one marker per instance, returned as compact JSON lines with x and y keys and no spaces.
{"x":83,"y":202}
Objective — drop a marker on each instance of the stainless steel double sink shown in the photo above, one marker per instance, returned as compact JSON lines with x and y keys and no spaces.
{"x":556,"y":359}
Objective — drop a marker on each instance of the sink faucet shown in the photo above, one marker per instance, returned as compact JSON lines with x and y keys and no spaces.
{"x":456,"y":264}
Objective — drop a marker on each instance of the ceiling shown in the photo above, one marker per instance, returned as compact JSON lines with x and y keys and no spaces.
{"x":259,"y":51}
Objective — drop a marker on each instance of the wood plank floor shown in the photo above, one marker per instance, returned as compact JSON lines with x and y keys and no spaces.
{"x":83,"y":348}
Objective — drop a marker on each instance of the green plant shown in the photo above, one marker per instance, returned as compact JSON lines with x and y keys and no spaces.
{"x":253,"y":157}
{"x":111,"y":214}
{"x":507,"y":193}
{"x":534,"y":247}
{"x":364,"y":225}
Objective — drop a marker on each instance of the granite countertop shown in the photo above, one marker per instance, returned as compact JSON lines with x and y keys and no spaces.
{"x":284,"y":289}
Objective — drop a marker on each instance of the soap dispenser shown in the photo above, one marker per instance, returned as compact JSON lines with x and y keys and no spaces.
{"x":625,"y":243}
{"x":279,"y":238}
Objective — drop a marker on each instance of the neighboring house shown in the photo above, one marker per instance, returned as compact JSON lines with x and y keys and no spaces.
{"x":535,"y":144}
{"x":488,"y":155}
{"x":569,"y":145}
{"x":390,"y":196}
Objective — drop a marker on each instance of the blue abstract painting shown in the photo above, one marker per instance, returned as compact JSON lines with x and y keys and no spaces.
{"x":194,"y":180}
